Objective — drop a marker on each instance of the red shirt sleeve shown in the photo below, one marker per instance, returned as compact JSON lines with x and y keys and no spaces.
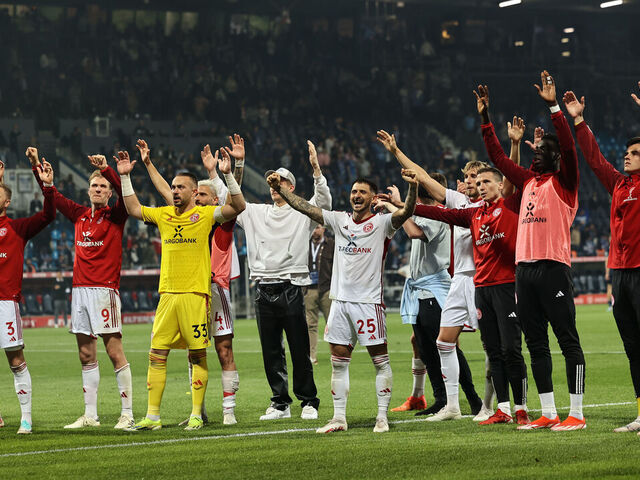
{"x":568,"y":177}
{"x":30,"y":226}
{"x":605,"y":172}
{"x":512,"y":202}
{"x":119,"y":213}
{"x":454,"y":216}
{"x":515,"y":173}
{"x":68,"y":208}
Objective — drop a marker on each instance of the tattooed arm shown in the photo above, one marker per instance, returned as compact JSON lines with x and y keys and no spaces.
{"x":402,"y":215}
{"x":296,"y":202}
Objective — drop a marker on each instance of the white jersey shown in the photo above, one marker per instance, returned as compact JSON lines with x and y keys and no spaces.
{"x":462,"y":244}
{"x":359,"y":254}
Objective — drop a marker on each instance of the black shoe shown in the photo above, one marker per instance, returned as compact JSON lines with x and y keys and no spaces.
{"x":476,"y":406}
{"x":435,"y":408}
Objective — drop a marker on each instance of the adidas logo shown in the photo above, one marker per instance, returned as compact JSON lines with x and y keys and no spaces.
{"x":386,"y":390}
{"x":123,"y":395}
{"x":512,"y":315}
{"x":559,"y":294}
{"x":372,"y":337}
{"x":84,"y":390}
{"x":12,"y":339}
{"x":197,"y":384}
{"x":333,"y":393}
{"x":21,"y":392}
{"x":220,"y":328}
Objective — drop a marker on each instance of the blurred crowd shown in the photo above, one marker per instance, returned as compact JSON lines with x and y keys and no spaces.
{"x":332,"y":81}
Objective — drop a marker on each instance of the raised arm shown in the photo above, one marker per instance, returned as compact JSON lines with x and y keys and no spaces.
{"x":119,"y":212}
{"x":131,"y":202}
{"x":321,"y":193}
{"x":514,"y":173}
{"x":235,"y":204}
{"x":435,"y":189}
{"x":66,"y":206}
{"x":458,"y":216}
{"x":403,"y":214}
{"x":515,"y":130}
{"x":237,"y":152}
{"x":568,"y":175}
{"x":296,"y":202}
{"x":605,"y":172}
{"x":162,"y":187}
{"x":30,"y":226}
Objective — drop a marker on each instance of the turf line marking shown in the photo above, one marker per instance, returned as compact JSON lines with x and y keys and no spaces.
{"x":243,"y":435}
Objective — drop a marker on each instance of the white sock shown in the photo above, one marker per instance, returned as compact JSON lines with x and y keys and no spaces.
{"x":384,"y":383}
{"x":123,"y":378}
{"x":450,"y":372}
{"x":520,"y":407}
{"x":90,"y":382}
{"x":548,"y":405}
{"x":340,"y":385}
{"x":505,"y":407}
{"x":230,"y":384}
{"x":22,"y":382}
{"x":419,"y":371}
{"x":576,"y":405}
{"x":489,"y":391}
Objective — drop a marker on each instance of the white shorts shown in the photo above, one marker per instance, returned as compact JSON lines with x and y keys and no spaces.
{"x":350,"y":322}
{"x":95,"y":311}
{"x":460,"y":307}
{"x":10,"y":325}
{"x":221,"y":318}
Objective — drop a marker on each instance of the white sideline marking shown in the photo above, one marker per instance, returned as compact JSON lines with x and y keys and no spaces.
{"x":357,"y":350}
{"x":239,"y":435}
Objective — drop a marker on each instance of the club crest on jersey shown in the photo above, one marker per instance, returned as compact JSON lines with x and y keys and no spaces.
{"x":195,"y":217}
{"x":630,"y":197}
{"x":497,"y":212}
{"x":3,"y":231}
{"x":368,"y":227}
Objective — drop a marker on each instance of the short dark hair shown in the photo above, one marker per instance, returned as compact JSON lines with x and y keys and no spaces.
{"x":496,"y":173}
{"x":438,"y":177}
{"x":552,"y":138}
{"x":187,"y":173}
{"x":7,"y":190}
{"x":372,"y":185}
{"x":633,"y":141}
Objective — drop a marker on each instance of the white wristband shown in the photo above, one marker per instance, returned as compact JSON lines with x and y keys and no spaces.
{"x":127,"y":188}
{"x":47,"y":184}
{"x":239,"y":163}
{"x":232,"y":185}
{"x":555,"y":108}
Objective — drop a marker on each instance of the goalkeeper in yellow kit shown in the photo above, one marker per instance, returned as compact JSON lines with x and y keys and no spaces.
{"x":182,"y":316}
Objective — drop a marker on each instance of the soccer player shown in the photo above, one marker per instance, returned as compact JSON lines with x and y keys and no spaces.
{"x":182,"y":316}
{"x":459,"y":311}
{"x":95,"y":301}
{"x":544,"y":288}
{"x":277,"y":251}
{"x":493,"y":228}
{"x":424,"y":294}
{"x":357,"y":312}
{"x":624,"y":250}
{"x":14,"y":234}
{"x":223,"y":258}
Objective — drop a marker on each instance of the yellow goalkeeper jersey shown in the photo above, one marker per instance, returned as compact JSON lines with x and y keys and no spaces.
{"x":186,"y":257}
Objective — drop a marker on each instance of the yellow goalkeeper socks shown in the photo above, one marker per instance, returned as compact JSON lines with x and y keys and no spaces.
{"x":199,"y":380}
{"x":156,"y":380}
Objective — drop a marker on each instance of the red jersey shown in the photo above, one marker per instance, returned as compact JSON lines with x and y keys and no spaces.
{"x":14,"y":234}
{"x":493,"y":230}
{"x":624,"y":250}
{"x":543,"y":231}
{"x":98,"y":238}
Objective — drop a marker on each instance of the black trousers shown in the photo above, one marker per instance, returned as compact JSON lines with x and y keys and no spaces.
{"x":625,"y":290}
{"x":426,"y":331}
{"x":502,"y":338}
{"x":544,"y":292}
{"x":280,"y":307}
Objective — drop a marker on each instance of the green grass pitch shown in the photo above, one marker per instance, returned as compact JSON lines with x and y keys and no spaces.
{"x":290,"y":448}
